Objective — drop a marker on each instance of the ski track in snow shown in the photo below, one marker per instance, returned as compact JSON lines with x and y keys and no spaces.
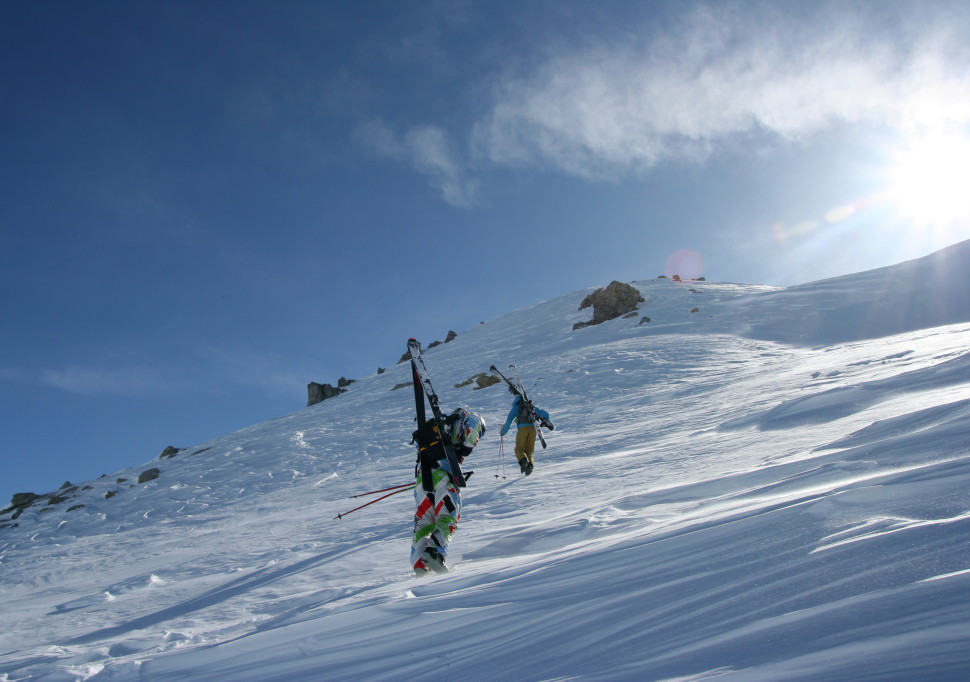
{"x":740,"y":493}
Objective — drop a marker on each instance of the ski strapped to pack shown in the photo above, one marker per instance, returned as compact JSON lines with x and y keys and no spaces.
{"x":519,"y":389}
{"x":423,"y":389}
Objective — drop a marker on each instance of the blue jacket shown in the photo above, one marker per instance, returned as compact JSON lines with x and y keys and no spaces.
{"x":514,"y":416}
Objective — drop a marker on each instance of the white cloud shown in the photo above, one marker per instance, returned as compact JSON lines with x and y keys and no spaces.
{"x":429,"y":150}
{"x":431,"y":153}
{"x":613,"y":109}
{"x":696,"y":83}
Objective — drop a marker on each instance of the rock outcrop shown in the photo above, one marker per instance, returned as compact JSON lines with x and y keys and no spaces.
{"x":481,"y":380}
{"x":615,"y":300}
{"x":317,"y":393}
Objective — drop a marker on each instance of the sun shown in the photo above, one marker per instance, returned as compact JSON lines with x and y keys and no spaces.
{"x":930,"y":180}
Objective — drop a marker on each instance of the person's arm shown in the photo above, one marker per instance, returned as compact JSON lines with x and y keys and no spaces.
{"x":513,"y":413}
{"x":544,"y":419}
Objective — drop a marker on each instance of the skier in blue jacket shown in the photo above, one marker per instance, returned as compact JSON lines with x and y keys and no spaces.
{"x":525,"y":439}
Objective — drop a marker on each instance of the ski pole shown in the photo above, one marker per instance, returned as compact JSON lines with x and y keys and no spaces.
{"x":383,"y":490}
{"x":501,"y":457}
{"x":400,"y":490}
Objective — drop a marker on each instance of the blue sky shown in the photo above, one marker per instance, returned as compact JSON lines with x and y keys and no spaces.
{"x":205,"y":205}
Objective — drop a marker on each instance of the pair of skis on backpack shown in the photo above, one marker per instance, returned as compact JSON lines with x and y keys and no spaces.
{"x":518,"y":389}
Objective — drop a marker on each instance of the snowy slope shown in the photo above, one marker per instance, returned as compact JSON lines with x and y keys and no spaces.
{"x":771,"y":487}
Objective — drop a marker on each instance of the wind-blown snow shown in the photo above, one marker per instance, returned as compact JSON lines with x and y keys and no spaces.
{"x":774,"y":487}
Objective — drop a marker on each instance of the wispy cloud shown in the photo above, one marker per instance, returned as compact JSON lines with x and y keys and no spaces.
{"x":110,"y":381}
{"x":712,"y":77}
{"x":612,"y":109}
{"x":13,"y":374}
{"x":430,"y":151}
{"x":204,"y":370}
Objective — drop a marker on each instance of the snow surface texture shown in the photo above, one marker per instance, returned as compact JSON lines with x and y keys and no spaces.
{"x":767,"y":489}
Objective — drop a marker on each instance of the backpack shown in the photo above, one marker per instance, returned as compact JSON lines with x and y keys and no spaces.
{"x":525,"y":412}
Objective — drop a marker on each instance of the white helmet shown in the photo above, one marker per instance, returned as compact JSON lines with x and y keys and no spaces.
{"x":467,"y":427}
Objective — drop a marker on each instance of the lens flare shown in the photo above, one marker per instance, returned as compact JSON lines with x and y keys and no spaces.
{"x":685,"y":264}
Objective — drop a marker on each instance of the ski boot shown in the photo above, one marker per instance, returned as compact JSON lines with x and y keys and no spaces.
{"x":431,"y":560}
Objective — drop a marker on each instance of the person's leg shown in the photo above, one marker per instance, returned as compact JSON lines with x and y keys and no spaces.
{"x":521,"y":439}
{"x":435,"y":522}
{"x":525,"y":445}
{"x":530,"y":443}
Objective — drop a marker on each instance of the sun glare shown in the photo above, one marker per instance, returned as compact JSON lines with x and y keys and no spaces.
{"x":930,"y":182}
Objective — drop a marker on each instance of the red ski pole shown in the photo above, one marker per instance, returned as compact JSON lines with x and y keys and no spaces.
{"x":401,"y":489}
{"x":383,"y":490}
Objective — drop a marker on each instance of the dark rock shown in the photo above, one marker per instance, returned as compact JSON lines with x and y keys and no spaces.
{"x":448,"y":339}
{"x":23,"y":499}
{"x":169,"y":452}
{"x":486,"y":380}
{"x":317,"y":393}
{"x":149,"y":475}
{"x":480,"y":380}
{"x":611,"y":302}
